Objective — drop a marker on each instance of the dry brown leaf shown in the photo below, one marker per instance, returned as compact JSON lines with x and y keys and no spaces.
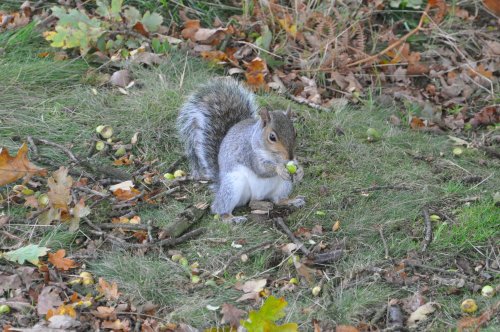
{"x":190,"y":28}
{"x":59,"y":189}
{"x":124,"y":195}
{"x":421,"y":314}
{"x":57,"y":259}
{"x":116,"y":325}
{"x":416,"y":123}
{"x":105,"y":313}
{"x":120,"y":78}
{"x":141,"y":28}
{"x":493,"y":6}
{"x":48,"y":300}
{"x":110,"y":291}
{"x":255,"y":73}
{"x":252,"y":286}
{"x":14,"y":168}
{"x":231,"y":315}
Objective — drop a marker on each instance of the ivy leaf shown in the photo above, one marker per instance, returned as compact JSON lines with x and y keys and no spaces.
{"x":28,"y":253}
{"x":152,"y":21}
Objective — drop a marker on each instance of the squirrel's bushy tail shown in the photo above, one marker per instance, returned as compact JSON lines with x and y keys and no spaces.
{"x":205,"y":119}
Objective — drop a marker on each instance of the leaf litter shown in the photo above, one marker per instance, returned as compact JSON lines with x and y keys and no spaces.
{"x":297,"y":63}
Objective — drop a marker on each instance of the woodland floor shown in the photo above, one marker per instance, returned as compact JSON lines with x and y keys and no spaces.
{"x":376,"y":190}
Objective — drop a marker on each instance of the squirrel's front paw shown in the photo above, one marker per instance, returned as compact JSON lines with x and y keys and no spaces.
{"x":283,"y":172}
{"x":299,"y":174}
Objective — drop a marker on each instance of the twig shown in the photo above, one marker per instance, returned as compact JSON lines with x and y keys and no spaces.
{"x":375,"y":188}
{"x":91,"y":191}
{"x":427,"y":229}
{"x":124,"y":226}
{"x":59,"y":146}
{"x":328,"y":257}
{"x":166,"y":242}
{"x":395,"y":44}
{"x":411,"y":263}
{"x":238,"y":255}
{"x":292,"y":237}
{"x":165,"y":192}
{"x":384,"y":242}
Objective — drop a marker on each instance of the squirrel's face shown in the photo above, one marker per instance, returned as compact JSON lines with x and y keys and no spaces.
{"x":279,"y":134}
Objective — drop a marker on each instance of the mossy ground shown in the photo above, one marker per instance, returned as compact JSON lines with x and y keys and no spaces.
{"x":55,"y":100}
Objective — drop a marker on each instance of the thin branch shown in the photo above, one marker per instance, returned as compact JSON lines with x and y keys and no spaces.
{"x":292,"y":237}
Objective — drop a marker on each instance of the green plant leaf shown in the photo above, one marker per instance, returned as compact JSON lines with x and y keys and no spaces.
{"x":116,"y":7}
{"x":132,"y":15}
{"x":29,"y":253}
{"x":152,"y":21}
{"x":263,"y":320}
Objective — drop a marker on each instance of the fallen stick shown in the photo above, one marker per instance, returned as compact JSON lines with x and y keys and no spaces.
{"x":292,"y":237}
{"x":427,"y":229}
{"x":184,"y":220}
{"x":166,"y":242}
{"x":375,"y":188}
{"x":328,"y":257}
{"x":59,"y":146}
{"x":124,"y":226}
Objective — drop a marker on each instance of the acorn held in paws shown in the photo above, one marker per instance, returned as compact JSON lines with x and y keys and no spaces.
{"x":291,"y":167}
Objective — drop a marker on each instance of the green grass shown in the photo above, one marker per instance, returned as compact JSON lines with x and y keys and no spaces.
{"x":52,"y":100}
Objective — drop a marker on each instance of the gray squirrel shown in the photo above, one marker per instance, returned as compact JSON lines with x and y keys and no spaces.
{"x":245,"y":157}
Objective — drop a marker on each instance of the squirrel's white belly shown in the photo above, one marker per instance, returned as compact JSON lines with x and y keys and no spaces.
{"x":253,"y":187}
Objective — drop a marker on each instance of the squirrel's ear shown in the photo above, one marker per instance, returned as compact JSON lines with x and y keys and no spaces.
{"x":289,"y":111}
{"x":265,"y":117}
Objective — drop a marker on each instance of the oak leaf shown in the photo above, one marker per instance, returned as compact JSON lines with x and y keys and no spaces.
{"x":57,"y":259}
{"x":60,"y":184}
{"x":231,"y":315}
{"x":110,"y":291}
{"x":14,"y":168}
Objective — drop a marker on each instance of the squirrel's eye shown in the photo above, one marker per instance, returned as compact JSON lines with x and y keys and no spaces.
{"x":272,"y":137}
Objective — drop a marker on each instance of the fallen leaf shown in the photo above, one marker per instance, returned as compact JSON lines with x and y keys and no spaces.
{"x":79,"y":211}
{"x":29,"y":253}
{"x":60,"y":262}
{"x":125,"y":185}
{"x":14,"y":168}
{"x":60,"y":189}
{"x":231,"y":315}
{"x":110,"y":291}
{"x":255,"y":73}
{"x":48,"y":299}
{"x":421,"y":314}
{"x":336,"y":226}
{"x":105,"y":313}
{"x":120,"y":78}
{"x":114,"y":325}
{"x":63,"y":322}
{"x":252,"y":286}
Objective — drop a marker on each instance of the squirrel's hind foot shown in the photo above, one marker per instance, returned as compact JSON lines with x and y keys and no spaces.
{"x":298,"y":202}
{"x":230,"y":219}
